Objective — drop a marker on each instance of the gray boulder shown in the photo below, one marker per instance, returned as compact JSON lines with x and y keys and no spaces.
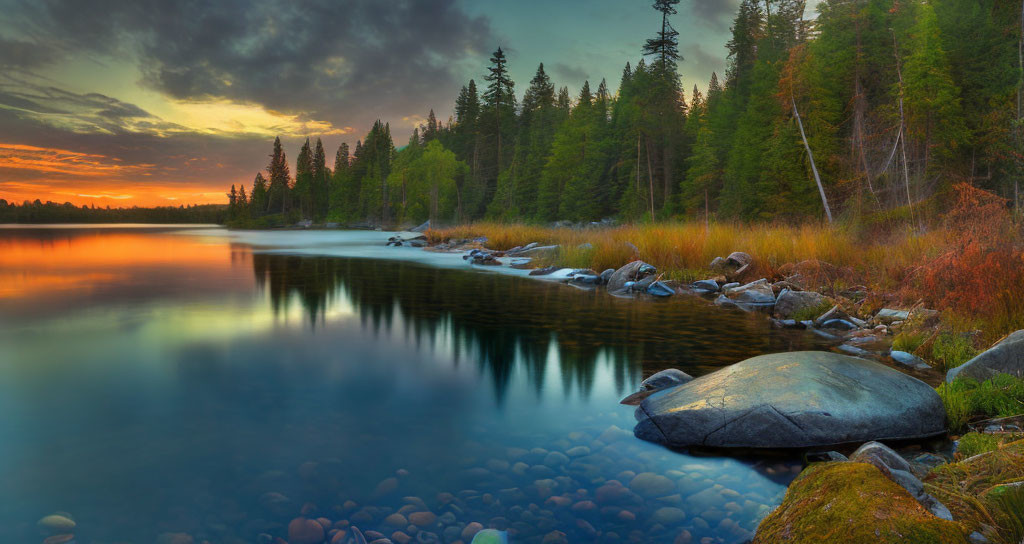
{"x":887,"y":315}
{"x":792,"y":400}
{"x":758,"y":293}
{"x":1005,"y":357}
{"x":665,"y":379}
{"x":791,"y":302}
{"x":705,"y":287}
{"x":632,"y":272}
{"x":909,"y":360}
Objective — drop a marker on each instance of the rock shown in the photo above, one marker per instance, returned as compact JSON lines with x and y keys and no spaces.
{"x":659,"y":289}
{"x":470,"y":530}
{"x":836,"y":312}
{"x":880,"y":456}
{"x":758,"y":293}
{"x":422,"y":519}
{"x":649,"y":485}
{"x":705,"y":287}
{"x":66,"y":538}
{"x":839,"y":325}
{"x":1005,"y":357}
{"x":857,"y":500}
{"x":634,"y":271}
{"x":305,"y":531}
{"x":396,"y":520}
{"x":668,"y":516}
{"x":386,"y":487}
{"x":792,"y":400}
{"x":734,"y":266}
{"x":546,"y":271}
{"x":886,"y":316}
{"x":792,"y":302}
{"x":490,"y":536}
{"x":897,"y":469}
{"x":606,"y":276}
{"x":670,"y":377}
{"x":56,"y":523}
{"x":909,"y":360}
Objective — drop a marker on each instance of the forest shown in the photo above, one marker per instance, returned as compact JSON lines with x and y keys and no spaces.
{"x":869,"y":111}
{"x":52,"y":212}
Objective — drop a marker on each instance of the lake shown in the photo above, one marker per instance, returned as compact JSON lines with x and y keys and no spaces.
{"x":160,"y":380}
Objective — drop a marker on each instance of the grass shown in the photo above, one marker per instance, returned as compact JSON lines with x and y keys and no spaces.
{"x":896,"y":264}
{"x":812,"y":313}
{"x":972,"y":444}
{"x":951,"y":350}
{"x":976,"y":491}
{"x":909,"y":341}
{"x":966,"y":399}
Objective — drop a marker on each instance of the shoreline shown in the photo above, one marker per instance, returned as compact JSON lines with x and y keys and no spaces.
{"x":474,"y":252}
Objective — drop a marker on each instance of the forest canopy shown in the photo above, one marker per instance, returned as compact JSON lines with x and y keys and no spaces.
{"x":870,"y":109}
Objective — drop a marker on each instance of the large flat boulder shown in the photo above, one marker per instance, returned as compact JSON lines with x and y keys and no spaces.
{"x":1005,"y":357}
{"x":792,"y":400}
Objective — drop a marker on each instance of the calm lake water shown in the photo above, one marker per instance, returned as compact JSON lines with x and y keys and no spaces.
{"x":192,"y":380}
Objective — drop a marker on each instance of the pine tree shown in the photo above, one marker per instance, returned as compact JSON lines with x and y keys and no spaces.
{"x":259,"y":195}
{"x":499,"y":117}
{"x":303,"y":192}
{"x":320,"y":183}
{"x":279,"y":192}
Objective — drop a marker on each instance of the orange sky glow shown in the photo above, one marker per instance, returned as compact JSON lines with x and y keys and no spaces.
{"x":61,"y":175}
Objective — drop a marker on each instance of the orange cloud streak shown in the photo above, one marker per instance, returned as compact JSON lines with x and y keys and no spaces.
{"x":91,"y":179}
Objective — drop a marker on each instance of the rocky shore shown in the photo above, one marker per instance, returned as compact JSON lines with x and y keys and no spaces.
{"x":880,"y":478}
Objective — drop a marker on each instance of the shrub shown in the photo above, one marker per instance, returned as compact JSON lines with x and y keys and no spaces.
{"x":966,"y":399}
{"x":972,"y":444}
{"x":952,"y":350}
{"x":909,"y":341}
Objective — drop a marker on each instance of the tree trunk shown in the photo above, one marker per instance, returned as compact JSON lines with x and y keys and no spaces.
{"x":650,"y":174}
{"x":810,"y":156}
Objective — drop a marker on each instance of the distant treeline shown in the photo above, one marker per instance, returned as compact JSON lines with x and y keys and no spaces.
{"x":52,"y":212}
{"x":887,"y":102}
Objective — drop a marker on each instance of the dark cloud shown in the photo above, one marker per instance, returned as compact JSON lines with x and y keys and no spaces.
{"x":341,"y":61}
{"x":715,"y":12}
{"x":572,"y":73}
{"x":15,"y":54}
{"x":701,"y":63}
{"x":80,"y":113}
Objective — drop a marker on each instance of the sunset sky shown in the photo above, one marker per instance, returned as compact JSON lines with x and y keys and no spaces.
{"x":153,"y":102}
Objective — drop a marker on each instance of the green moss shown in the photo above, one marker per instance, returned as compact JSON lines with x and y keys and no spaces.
{"x":852,"y":502}
{"x":966,"y":399}
{"x":812,"y":313}
{"x":972,"y":444}
{"x":952,"y":350}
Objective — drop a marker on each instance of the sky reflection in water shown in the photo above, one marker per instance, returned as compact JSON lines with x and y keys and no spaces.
{"x":154,"y":380}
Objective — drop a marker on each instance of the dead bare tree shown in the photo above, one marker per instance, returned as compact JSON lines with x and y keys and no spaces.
{"x":810,"y":156}
{"x":902,"y":138}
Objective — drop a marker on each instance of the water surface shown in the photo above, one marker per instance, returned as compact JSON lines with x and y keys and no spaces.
{"x":192,"y":380}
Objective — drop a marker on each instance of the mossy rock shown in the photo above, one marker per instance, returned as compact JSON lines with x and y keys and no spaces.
{"x":852,"y":503}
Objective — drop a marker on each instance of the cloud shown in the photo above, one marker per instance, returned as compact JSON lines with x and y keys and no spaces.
{"x":699,"y":63}
{"x":718,"y":13}
{"x":343,"y":63}
{"x":571,"y":73}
